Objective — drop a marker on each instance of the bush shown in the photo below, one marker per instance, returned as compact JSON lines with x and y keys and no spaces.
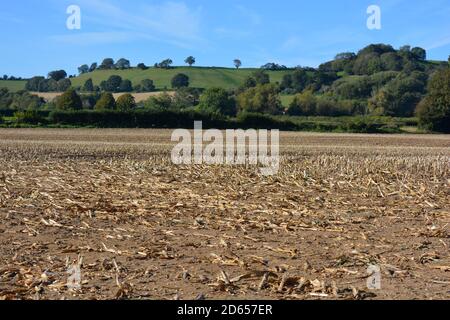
{"x":147,"y":85}
{"x":260,"y":99}
{"x":217,"y":100}
{"x":125,"y":102}
{"x":69,"y":100}
{"x":262,"y":121}
{"x":88,"y":85}
{"x":159,"y":102}
{"x":304,"y":104}
{"x":29,"y":117}
{"x":106,"y":102}
{"x":180,"y":80}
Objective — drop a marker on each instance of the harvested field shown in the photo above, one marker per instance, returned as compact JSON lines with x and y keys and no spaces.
{"x":146,"y":229}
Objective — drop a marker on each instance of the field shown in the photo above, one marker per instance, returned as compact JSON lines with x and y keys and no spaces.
{"x":13,"y":86}
{"x":143,"y":228}
{"x":198,"y":77}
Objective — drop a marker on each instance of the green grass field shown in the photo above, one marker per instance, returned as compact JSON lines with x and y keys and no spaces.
{"x":12,"y":86}
{"x":199,"y":77}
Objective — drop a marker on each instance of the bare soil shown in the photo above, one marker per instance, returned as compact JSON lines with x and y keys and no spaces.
{"x":147,"y":229}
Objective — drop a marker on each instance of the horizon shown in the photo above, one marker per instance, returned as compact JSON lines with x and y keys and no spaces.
{"x":296,"y":34}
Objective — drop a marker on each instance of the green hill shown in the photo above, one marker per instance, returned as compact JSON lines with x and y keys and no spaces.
{"x":199,"y":77}
{"x":13,"y":86}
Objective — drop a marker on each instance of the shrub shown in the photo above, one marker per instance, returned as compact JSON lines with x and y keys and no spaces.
{"x":88,"y":85}
{"x":147,"y":85}
{"x":260,"y":99}
{"x":106,"y":102}
{"x":180,"y":80}
{"x":69,"y":100}
{"x":304,"y":104}
{"x":125,"y":102}
{"x":217,"y":100}
{"x":29,"y":117}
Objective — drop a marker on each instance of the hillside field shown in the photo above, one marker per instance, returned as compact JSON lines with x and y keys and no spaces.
{"x":13,"y":86}
{"x":199,"y":77}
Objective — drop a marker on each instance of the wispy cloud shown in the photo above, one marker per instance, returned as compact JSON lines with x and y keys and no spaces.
{"x":170,"y":22}
{"x":291,"y":43}
{"x":96,"y":38}
{"x":249,"y":14}
{"x":443,"y":42}
{"x":4,"y":17}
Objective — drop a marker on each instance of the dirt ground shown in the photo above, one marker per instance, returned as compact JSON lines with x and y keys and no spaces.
{"x":140,"y":227}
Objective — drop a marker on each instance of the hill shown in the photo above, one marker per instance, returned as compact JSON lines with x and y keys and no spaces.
{"x":13,"y":86}
{"x":199,"y":77}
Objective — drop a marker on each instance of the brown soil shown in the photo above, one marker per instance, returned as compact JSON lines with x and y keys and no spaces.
{"x":146,"y":229}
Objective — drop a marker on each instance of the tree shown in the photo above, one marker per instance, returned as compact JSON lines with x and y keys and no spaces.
{"x":69,"y":100}
{"x":64,"y":84}
{"x":217,"y":100}
{"x":299,"y":80}
{"x":273,"y":66}
{"x":261,"y":77}
{"x":434,"y":109}
{"x":249,"y":82}
{"x":83,"y":69}
{"x":165,"y":64}
{"x":125,"y":86}
{"x":88,"y":85}
{"x":345,"y":56}
{"x":159,"y":102}
{"x":123,"y":64}
{"x":304,"y":104}
{"x":237,"y":63}
{"x":190,"y":61}
{"x":106,"y":102}
{"x":147,"y":85}
{"x":180,"y":80}
{"x":57,"y":75}
{"x":112,"y":84}
{"x":185,"y":98}
{"x":107,"y":64}
{"x":406,"y":48}
{"x":5,"y":77}
{"x":142,"y":66}
{"x":93,"y":67}
{"x":419,"y":53}
{"x":260,"y":99}
{"x":125,"y":102}
{"x":33,"y":83}
{"x":286,"y":82}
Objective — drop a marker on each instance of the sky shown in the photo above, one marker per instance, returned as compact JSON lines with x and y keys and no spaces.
{"x":36,"y":40}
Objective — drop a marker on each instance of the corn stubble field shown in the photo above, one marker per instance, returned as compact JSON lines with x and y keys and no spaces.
{"x":142,"y":228}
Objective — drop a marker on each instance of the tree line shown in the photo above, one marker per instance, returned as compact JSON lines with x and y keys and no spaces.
{"x":377,"y":81}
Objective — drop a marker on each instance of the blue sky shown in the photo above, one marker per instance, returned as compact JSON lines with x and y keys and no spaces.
{"x":291,"y":32}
